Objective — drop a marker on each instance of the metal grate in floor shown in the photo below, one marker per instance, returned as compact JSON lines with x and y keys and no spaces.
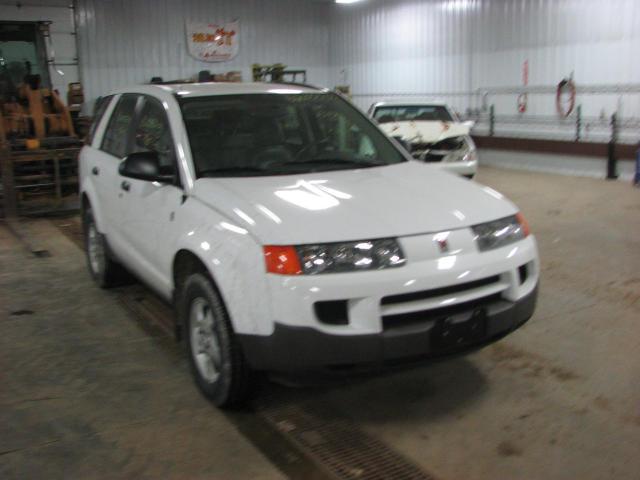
{"x":336,"y":443}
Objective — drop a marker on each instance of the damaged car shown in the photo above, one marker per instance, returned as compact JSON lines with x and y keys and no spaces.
{"x":431,"y":132}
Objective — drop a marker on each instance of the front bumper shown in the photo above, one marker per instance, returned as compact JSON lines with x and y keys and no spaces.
{"x":291,"y":348}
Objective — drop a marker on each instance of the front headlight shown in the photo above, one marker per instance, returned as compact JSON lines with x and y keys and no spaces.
{"x":470,"y":156}
{"x":470,"y":153}
{"x":333,"y":257}
{"x":351,"y":256}
{"x":460,"y":149}
{"x":499,"y":233}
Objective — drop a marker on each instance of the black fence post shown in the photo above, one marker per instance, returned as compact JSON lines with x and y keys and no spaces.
{"x":612,"y":162}
{"x":636,"y":177}
{"x":492,"y":120}
{"x":578,"y":123}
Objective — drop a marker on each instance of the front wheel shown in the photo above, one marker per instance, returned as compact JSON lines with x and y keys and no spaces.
{"x":217,"y":363}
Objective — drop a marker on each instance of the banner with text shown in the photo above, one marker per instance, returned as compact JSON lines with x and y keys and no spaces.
{"x":210,"y":42}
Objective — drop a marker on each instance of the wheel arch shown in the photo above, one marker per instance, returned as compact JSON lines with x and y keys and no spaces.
{"x":185,"y":262}
{"x":84,"y":202}
{"x":88,"y":198}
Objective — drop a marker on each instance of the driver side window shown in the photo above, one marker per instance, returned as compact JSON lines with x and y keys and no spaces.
{"x":153,"y":134}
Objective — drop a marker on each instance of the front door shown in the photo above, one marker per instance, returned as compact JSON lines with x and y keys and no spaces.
{"x":150,"y":206}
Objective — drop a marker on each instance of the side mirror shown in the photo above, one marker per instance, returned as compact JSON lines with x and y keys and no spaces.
{"x":469,"y":123}
{"x":143,"y":166}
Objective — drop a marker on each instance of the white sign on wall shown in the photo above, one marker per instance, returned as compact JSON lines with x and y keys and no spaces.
{"x":210,"y":42}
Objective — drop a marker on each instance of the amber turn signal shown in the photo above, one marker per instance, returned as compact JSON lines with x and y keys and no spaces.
{"x":282,"y":260}
{"x":523,"y":223}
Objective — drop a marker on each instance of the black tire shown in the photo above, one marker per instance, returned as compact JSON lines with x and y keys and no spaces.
{"x":218,"y":364}
{"x":102,"y":268}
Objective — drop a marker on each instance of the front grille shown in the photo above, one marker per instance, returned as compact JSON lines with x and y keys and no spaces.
{"x":438,"y":292}
{"x":412,"y":319}
{"x":435,"y":152}
{"x":429,"y":157}
{"x":432,"y":157}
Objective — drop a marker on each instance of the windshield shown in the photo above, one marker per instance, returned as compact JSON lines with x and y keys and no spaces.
{"x":412,"y":112}
{"x":279,"y":134}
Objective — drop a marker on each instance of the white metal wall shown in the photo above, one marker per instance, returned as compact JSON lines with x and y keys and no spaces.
{"x":400,"y":46}
{"x":379,"y":47}
{"x":129,"y":41}
{"x":435,"y":46}
{"x":63,"y":41}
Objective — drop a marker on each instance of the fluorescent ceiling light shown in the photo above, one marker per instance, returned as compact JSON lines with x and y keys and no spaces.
{"x":347,"y":1}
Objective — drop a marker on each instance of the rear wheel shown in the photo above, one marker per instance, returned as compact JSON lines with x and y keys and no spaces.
{"x":103,"y":269}
{"x":218,"y":365}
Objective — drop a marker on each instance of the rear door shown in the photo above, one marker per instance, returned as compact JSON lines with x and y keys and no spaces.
{"x":114,"y":147}
{"x":90,"y":157}
{"x":150,"y":206}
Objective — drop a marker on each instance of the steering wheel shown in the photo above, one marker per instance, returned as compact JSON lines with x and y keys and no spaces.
{"x":321,"y":144}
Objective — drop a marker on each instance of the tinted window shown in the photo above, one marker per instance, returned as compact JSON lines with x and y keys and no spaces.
{"x":116,"y":137}
{"x":152,"y":133}
{"x":98,"y":112}
{"x":277,"y":134}
{"x":410,"y":112}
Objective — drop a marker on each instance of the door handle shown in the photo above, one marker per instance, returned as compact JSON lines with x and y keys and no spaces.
{"x":125,"y":185}
{"x":95,"y":171}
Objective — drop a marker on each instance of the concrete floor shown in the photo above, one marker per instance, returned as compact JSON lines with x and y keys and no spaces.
{"x":85,"y":392}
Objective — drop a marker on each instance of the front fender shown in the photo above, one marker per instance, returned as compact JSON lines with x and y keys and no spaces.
{"x":88,"y":190}
{"x":234,"y":259}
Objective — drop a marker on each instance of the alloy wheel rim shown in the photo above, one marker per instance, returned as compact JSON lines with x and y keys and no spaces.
{"x":205,"y":347}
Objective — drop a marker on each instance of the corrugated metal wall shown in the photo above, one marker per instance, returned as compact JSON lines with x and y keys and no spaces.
{"x":379,"y":47}
{"x":129,"y":41}
{"x":396,"y":46}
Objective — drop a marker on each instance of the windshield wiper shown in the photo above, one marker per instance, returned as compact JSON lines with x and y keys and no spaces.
{"x":239,"y":169}
{"x":331,"y":161}
{"x":282,"y":167}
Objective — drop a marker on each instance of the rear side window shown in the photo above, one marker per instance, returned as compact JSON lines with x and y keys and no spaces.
{"x":98,"y":112}
{"x":116,"y":137}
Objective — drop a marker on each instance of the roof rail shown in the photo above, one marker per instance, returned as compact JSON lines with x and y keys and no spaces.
{"x":169,"y":82}
{"x":299,"y":84}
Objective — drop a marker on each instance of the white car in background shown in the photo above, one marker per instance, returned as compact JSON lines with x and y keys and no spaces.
{"x":431,"y":132}
{"x":290,"y":233}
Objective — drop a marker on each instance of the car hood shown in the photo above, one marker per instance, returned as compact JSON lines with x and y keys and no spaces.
{"x":423,"y":131}
{"x":396,"y":200}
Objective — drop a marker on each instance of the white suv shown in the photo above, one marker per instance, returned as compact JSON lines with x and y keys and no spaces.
{"x":291,"y":234}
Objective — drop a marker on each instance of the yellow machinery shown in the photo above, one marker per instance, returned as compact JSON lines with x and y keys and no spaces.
{"x":38,"y":143}
{"x":36,"y":113}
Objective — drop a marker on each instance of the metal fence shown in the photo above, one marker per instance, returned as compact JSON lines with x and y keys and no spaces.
{"x":494,"y":110}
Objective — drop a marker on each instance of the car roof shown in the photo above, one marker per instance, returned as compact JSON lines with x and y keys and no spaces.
{"x":186,"y":90}
{"x":411,"y":103}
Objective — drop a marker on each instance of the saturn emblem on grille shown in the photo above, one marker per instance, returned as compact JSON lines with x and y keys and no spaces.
{"x":443,"y":245}
{"x":441,"y":240}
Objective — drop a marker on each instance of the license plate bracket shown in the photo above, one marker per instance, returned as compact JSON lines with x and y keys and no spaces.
{"x":458,"y":330}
